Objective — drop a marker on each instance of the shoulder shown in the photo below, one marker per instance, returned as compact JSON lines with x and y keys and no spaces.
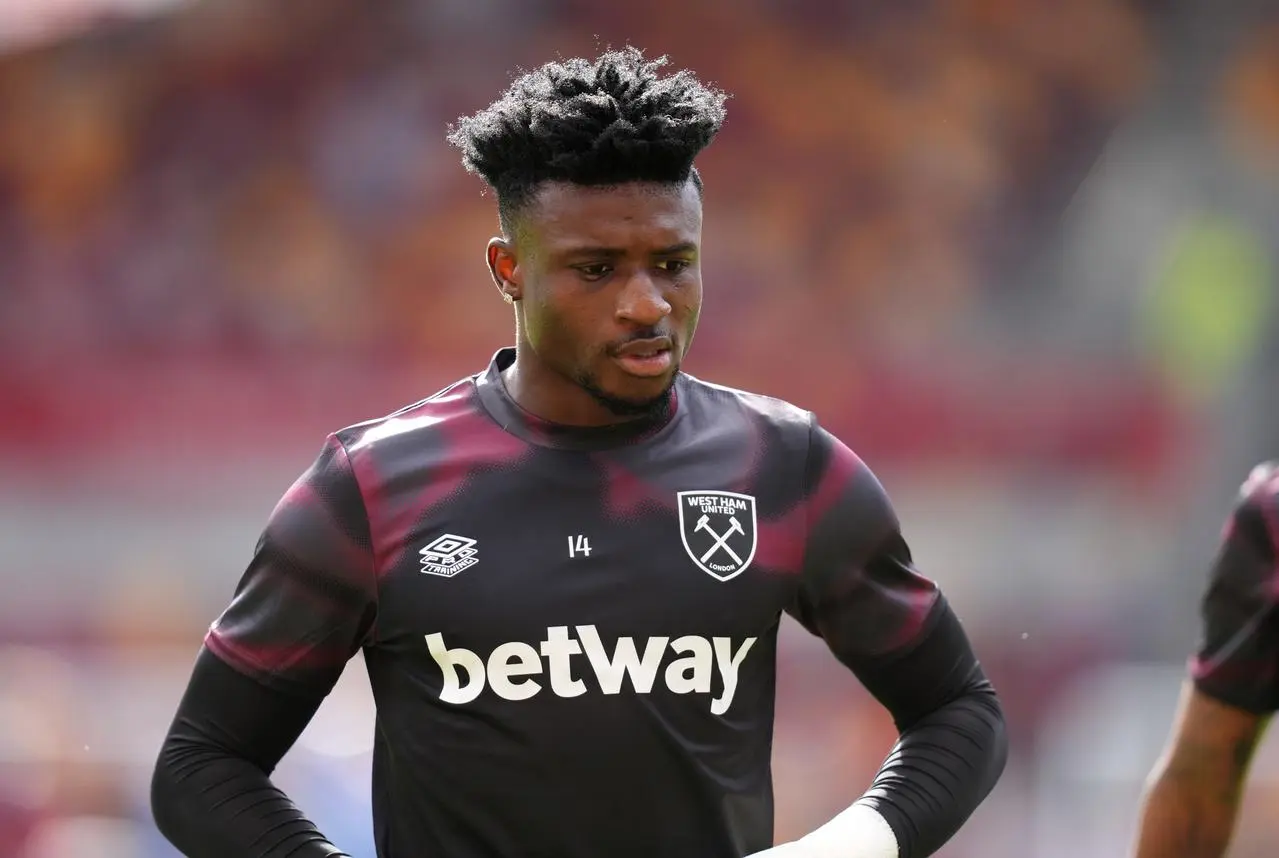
{"x":787,"y":427}
{"x":1244,"y":565}
{"x":1255,"y":517}
{"x":1262,"y":485}
{"x":408,"y":425}
{"x":716,"y":399}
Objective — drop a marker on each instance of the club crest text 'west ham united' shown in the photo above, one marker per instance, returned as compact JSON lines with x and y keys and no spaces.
{"x":718,"y":531}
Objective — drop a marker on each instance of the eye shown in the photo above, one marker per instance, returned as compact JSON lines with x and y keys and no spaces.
{"x":674,"y":266}
{"x":594,"y":270}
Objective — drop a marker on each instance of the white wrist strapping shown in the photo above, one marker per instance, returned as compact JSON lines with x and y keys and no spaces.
{"x":859,"y":832}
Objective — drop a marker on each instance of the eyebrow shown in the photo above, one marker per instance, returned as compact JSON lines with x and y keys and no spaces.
{"x":676,"y":249}
{"x":670,"y":250}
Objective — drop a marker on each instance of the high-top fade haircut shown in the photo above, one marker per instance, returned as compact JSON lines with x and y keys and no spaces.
{"x":599,"y":122}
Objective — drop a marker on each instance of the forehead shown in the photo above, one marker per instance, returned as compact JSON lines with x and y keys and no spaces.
{"x":561,"y":216}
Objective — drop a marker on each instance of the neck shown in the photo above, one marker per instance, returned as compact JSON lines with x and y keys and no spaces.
{"x":548,"y":395}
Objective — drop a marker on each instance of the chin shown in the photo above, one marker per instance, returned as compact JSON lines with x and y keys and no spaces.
{"x":635,"y":397}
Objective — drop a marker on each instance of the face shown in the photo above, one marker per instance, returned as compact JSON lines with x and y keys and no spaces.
{"x":607,"y":288}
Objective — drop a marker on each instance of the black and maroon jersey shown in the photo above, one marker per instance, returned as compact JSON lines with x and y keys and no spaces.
{"x":1238,"y":657}
{"x":570,"y":633}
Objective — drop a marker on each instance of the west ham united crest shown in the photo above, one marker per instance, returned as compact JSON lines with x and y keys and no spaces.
{"x":718,"y":529}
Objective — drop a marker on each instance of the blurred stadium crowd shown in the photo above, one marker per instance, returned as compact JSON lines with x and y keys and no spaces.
{"x":256,"y":183}
{"x":229,"y":229}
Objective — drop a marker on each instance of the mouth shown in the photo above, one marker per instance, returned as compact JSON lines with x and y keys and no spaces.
{"x":646,"y":358}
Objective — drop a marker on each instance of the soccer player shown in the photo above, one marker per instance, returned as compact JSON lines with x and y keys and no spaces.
{"x":1193,"y":797}
{"x":566,"y":572}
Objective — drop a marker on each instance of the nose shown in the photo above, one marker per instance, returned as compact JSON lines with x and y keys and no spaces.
{"x":641,"y":301}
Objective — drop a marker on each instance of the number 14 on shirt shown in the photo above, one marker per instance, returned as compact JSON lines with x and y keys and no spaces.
{"x":579,"y":544}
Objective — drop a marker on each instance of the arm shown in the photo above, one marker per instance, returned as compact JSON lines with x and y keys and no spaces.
{"x":952,"y":744}
{"x":211,"y":793}
{"x":1192,"y":800}
{"x":305,"y":605}
{"x":895,"y":631}
{"x":1193,"y":796}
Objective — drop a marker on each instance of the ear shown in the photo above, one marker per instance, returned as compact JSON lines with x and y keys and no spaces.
{"x":505,"y":268}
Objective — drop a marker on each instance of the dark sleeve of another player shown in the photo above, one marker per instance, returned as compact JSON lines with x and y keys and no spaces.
{"x":893,"y":628}
{"x":1238,"y":657}
{"x":303,"y":608}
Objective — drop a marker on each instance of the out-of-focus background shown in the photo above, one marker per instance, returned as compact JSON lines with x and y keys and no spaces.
{"x":1020,"y":254}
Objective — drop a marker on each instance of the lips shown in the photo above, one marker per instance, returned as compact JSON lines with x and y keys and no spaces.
{"x":646,"y":358}
{"x":644,"y":348}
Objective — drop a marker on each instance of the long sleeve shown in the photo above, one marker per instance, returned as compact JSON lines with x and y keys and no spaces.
{"x":305,"y":605}
{"x":211,"y":792}
{"x":891,"y":626}
{"x":952,"y":746}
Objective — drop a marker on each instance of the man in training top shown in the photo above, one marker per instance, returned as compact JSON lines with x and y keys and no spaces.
{"x":566,"y":572}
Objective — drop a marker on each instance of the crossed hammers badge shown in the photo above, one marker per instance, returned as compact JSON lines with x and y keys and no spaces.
{"x":718,"y":530}
{"x":721,"y":539}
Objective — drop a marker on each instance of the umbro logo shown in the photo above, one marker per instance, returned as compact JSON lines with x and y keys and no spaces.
{"x":448,"y":555}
